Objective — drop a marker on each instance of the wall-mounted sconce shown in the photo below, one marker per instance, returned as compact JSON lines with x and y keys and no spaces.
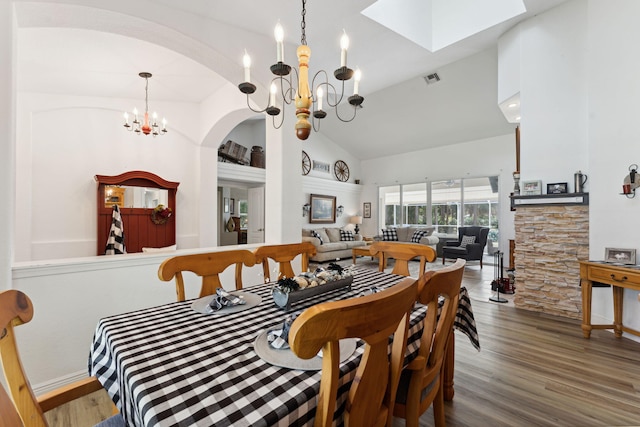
{"x":305,"y":209}
{"x":631,"y":182}
{"x":339,"y":210}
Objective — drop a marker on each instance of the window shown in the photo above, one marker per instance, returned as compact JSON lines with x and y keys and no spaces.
{"x":243,"y":207}
{"x":414,"y":201}
{"x":390,"y":199}
{"x":445,"y":204}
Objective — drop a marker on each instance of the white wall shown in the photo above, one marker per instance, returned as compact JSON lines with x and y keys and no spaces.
{"x":578,"y":99}
{"x":486,"y":157}
{"x":553,"y":95}
{"x":64,"y":141}
{"x":613,"y":141}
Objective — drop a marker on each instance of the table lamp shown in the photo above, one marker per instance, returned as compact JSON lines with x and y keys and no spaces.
{"x":356,"y":219}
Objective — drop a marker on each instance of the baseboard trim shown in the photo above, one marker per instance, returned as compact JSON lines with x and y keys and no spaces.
{"x":56,"y":383}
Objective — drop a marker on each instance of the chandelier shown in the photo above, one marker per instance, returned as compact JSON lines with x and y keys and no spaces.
{"x":147,"y":126}
{"x":300,"y":94}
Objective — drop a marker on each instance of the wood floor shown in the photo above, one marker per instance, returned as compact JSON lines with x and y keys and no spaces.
{"x":533,"y":370}
{"x":538,"y":370}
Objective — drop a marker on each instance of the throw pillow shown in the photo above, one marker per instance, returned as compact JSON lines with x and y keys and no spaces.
{"x":315,"y":234}
{"x":466,"y":240}
{"x":346,"y":236}
{"x":389,"y":235}
{"x":417,"y":235}
{"x":333,"y":233}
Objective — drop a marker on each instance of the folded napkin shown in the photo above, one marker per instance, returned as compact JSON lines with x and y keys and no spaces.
{"x":369,"y":291}
{"x":223,"y":299}
{"x":279,"y":338}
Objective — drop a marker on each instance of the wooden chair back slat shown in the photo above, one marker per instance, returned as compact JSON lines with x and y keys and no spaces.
{"x":208,"y":266}
{"x":403,"y":253}
{"x":283,"y":255}
{"x":373,"y":318}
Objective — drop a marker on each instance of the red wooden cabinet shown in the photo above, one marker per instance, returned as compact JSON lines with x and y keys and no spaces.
{"x":139,"y":230}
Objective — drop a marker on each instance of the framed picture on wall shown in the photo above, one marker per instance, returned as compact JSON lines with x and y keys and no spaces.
{"x":226,"y":205}
{"x":232,"y":205}
{"x":366,"y":210}
{"x":323,"y":209}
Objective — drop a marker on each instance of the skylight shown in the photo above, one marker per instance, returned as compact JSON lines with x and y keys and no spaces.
{"x":435,"y":24}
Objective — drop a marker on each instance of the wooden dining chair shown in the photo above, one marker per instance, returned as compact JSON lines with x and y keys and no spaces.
{"x":24,"y":408}
{"x":421,"y":382}
{"x":208,"y":266}
{"x":373,"y":318}
{"x":283,"y":255}
{"x":402,"y":253}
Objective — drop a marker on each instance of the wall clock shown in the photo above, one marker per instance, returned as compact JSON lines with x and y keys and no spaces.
{"x":341,"y":171}
{"x":306,"y":163}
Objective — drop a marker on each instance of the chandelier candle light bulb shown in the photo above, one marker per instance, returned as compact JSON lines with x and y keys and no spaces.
{"x":278,"y":32}
{"x":246,"y":61}
{"x":320,"y":93}
{"x":344,"y":45}
{"x":356,"y":83}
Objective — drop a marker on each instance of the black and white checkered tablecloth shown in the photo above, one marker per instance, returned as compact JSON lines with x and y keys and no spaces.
{"x":170,"y":365}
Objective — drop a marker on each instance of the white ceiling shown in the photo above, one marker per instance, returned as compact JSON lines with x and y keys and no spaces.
{"x":401,"y":112}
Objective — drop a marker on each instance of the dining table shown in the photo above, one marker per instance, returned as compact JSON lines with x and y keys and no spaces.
{"x":173,"y":365}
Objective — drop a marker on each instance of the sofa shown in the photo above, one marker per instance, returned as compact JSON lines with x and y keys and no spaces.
{"x":406,"y":234}
{"x":331,"y":244}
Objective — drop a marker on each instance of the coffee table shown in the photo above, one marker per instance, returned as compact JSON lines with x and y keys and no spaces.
{"x":364,"y":251}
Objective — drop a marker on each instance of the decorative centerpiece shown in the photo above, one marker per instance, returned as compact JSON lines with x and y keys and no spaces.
{"x":160,"y":214}
{"x":306,"y":285}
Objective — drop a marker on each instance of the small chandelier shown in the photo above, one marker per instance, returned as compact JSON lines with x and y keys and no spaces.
{"x":301,"y":95}
{"x":146,"y":127}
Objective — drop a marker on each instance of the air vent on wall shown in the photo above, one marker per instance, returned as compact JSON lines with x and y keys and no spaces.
{"x":431,"y":78}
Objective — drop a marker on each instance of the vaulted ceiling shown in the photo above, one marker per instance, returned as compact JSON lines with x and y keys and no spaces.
{"x":401,"y":112}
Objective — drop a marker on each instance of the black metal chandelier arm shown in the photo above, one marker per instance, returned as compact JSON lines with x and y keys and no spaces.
{"x":313,"y":122}
{"x":313,"y":81}
{"x":355,"y":111}
{"x":335,"y":95}
{"x":281,"y":120}
{"x":329,"y":89}
{"x":287,"y":91}
{"x":253,"y":109}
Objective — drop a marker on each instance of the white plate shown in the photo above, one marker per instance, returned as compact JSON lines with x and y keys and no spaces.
{"x":201,"y":305}
{"x":286,"y":359}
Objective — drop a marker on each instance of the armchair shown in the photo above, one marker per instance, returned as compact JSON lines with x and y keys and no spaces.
{"x":470,"y":251}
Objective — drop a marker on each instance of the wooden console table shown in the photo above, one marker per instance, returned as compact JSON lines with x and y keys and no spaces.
{"x":619,"y":277}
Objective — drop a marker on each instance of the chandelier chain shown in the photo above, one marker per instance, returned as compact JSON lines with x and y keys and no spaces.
{"x":303,"y":24}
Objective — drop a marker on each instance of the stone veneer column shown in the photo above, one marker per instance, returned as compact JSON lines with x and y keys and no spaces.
{"x":550,"y":240}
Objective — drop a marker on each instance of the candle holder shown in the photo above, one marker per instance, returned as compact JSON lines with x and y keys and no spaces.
{"x":516,"y":186}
